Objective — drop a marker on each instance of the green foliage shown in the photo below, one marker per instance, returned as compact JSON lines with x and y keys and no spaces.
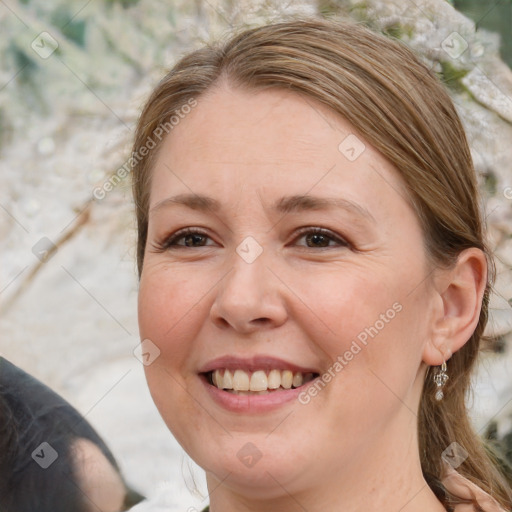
{"x":499,"y":449}
{"x":495,"y":16}
{"x":27,"y":65}
{"x":451,"y":76}
{"x":395,"y":31}
{"x":124,"y":3}
{"x":73,"y":29}
{"x":490,"y":183}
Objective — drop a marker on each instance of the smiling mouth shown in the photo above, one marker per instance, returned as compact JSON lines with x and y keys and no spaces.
{"x":259,"y":382}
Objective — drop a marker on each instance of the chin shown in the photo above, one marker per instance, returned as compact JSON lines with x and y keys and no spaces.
{"x":241,"y":465}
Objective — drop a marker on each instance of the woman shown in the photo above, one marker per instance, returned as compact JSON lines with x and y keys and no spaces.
{"x":314,"y":274}
{"x":51,"y":459}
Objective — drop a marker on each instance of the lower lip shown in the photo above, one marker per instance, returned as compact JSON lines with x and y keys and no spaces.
{"x":251,"y":403}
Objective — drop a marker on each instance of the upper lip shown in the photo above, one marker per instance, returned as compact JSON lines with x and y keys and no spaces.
{"x":254,"y":363}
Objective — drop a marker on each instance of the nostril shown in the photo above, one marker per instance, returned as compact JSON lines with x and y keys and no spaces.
{"x":261,"y":320}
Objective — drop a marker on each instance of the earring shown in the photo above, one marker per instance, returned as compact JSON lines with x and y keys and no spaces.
{"x":440,"y":379}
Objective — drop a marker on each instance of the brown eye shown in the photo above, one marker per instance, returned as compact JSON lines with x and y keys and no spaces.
{"x":190,"y":237}
{"x":320,"y":238}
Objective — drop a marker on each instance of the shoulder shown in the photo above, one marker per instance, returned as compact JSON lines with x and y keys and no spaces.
{"x":162,"y":499}
{"x":165,"y":498}
{"x":461,"y":486}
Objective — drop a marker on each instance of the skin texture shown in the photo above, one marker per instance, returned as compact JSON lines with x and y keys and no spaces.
{"x":354,"y":445}
{"x":100,"y":483}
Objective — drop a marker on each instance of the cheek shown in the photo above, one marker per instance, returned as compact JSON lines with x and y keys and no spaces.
{"x":168,"y":317}
{"x":349,"y":306}
{"x":167,"y":306}
{"x":376,"y":324}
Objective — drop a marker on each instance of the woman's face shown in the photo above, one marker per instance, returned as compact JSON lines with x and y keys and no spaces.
{"x":259,"y":293}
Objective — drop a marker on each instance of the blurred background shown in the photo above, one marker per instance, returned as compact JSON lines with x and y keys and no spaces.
{"x":73,"y":78}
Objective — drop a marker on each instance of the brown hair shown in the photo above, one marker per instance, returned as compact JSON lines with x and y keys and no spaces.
{"x":400,"y":107}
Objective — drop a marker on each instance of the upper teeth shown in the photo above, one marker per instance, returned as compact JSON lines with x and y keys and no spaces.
{"x":240,"y":380}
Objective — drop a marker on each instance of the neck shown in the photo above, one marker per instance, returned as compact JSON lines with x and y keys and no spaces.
{"x":406,"y":496}
{"x":385,"y":474}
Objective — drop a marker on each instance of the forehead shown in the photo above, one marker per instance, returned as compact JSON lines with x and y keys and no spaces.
{"x":235,"y":142}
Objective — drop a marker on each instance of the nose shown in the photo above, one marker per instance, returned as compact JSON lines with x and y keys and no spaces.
{"x":249,"y":298}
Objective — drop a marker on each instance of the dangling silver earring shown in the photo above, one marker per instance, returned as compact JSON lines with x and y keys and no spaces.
{"x":440,"y":379}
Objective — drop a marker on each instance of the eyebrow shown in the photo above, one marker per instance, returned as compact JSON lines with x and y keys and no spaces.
{"x":286,"y":204}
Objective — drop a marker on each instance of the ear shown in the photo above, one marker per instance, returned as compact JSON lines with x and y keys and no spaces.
{"x":458,"y":294}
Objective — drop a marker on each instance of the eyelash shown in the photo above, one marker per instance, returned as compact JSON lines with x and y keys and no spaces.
{"x":169,"y":243}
